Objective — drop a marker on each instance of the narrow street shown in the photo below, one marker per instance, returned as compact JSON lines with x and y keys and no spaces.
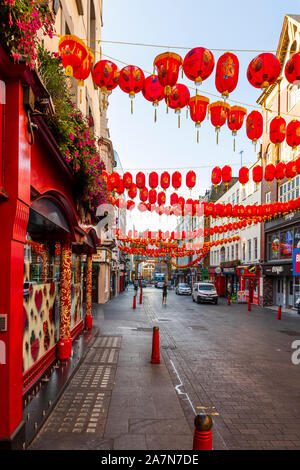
{"x":234,"y":364}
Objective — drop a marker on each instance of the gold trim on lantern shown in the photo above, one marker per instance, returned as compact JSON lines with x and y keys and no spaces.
{"x":171,"y":55}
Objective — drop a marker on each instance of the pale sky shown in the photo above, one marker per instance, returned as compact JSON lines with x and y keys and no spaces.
{"x":232,"y":24}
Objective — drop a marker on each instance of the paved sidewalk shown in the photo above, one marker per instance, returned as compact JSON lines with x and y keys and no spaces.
{"x":134,"y":406}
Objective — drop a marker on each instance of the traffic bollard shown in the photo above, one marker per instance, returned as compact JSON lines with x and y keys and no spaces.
{"x":228,"y":300}
{"x":134,"y":302}
{"x":141,"y":296}
{"x":155,"y":358}
{"x":249,"y":306}
{"x":279,"y":313}
{"x":203,"y":434}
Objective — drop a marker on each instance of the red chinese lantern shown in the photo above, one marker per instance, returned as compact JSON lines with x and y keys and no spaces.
{"x":277,"y":130}
{"x":165,"y":180}
{"x":190,"y":179}
{"x":120,"y":187}
{"x":293,"y":133}
{"x":176,"y":180}
{"x":257,"y":174}
{"x":243,"y":175}
{"x":280,"y":170}
{"x":263,"y":70}
{"x":130,"y":205}
{"x":73,"y":52}
{"x":297,"y":161}
{"x":131,"y":81}
{"x":218,"y":115}
{"x":174,"y":199}
{"x":114,"y":180}
{"x":132,"y":191}
{"x":167,"y":65}
{"x":292,"y":69}
{"x":178,"y":98}
{"x":127,"y":179}
{"x":161,"y":198}
{"x":236,"y":117}
{"x":198,"y":109}
{"x":152,"y":196}
{"x":216,"y":176}
{"x":106,"y":76}
{"x":226,"y":174}
{"x":153,"y":180}
{"x":291,"y":170}
{"x":143,"y":194}
{"x":140,"y":180}
{"x":227,"y":73}
{"x":153,"y":91}
{"x":270,"y":173}
{"x":254,"y":126}
{"x":84,"y":70}
{"x":198,"y":64}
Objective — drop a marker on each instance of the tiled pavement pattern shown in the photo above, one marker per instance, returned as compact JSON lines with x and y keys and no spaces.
{"x":233,"y":363}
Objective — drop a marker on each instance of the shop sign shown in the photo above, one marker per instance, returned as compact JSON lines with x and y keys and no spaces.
{"x":251,"y":269}
{"x":241,"y":296}
{"x":218,"y":270}
{"x":296,"y":262}
{"x":276,"y":270}
{"x":228,"y":270}
{"x":100,"y":257}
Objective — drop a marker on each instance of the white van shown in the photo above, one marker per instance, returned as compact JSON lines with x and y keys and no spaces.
{"x":204,"y":292}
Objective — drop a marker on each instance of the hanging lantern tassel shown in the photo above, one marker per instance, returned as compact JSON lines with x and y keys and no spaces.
{"x":197,"y":136}
{"x":155,"y":115}
{"x":80,"y":94}
{"x":234,"y":144}
{"x":217,"y":131}
{"x":178,"y":121}
{"x":187,"y":113}
{"x":131,"y":106}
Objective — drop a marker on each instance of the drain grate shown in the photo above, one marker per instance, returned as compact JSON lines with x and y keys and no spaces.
{"x":102,"y":356}
{"x":107,"y":342}
{"x":91,"y":376}
{"x":169,"y":346}
{"x":290,"y":332}
{"x":140,"y":328}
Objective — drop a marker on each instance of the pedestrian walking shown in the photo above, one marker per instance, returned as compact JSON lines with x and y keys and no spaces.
{"x":165,"y":293}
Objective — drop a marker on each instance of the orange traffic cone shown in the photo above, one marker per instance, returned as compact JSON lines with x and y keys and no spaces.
{"x":203,"y":434}
{"x":155,"y":359}
{"x":279,"y":313}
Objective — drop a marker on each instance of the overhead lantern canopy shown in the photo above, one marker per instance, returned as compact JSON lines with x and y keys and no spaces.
{"x":277,"y":130}
{"x":227,"y":73}
{"x":161,"y":198}
{"x":198,"y":108}
{"x":152,"y":196}
{"x":198,"y":64}
{"x":143,"y":194}
{"x":176,"y":180}
{"x":280,"y":170}
{"x":132,"y":191}
{"x":270,"y":171}
{"x":257,"y":174}
{"x":140,"y":180}
{"x":127,"y":180}
{"x":218,"y":115}
{"x":167,"y":65}
{"x":292,"y":69}
{"x":106,"y":76}
{"x":216,"y":176}
{"x":131,"y":81}
{"x":226,"y":174}
{"x":73,"y":52}
{"x":178,"y":98}
{"x":153,"y":91}
{"x":244,"y":175}
{"x":165,"y":180}
{"x":263,"y":70}
{"x":254,"y":126}
{"x":236,"y":116}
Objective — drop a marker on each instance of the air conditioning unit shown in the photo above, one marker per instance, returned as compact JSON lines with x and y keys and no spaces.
{"x":3,"y":323}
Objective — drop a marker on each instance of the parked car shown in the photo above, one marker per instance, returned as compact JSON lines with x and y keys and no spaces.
{"x":144,"y":283}
{"x":160,"y":284}
{"x":204,"y":292}
{"x":183,"y":289}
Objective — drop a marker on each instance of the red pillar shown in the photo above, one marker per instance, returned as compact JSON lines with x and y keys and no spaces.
{"x":65,"y":341}
{"x":89,"y":271}
{"x":14,"y":213}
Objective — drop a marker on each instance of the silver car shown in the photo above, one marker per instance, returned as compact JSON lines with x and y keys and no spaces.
{"x":204,"y":292}
{"x":183,"y":289}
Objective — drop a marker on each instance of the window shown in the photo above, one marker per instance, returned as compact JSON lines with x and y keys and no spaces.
{"x":273,"y":246}
{"x":293,"y":96}
{"x":237,"y":196}
{"x":297,"y":237}
{"x":289,"y":190}
{"x":255,"y":248}
{"x":268,"y":197}
{"x":249,"y":250}
{"x":286,"y":244}
{"x":244,"y":251}
{"x":92,"y":26}
{"x":232,"y":252}
{"x":237,"y":251}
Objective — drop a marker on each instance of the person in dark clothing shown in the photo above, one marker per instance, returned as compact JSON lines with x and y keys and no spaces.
{"x":165,"y":293}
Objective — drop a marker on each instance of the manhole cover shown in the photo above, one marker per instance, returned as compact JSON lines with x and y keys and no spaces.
{"x":290,"y":332}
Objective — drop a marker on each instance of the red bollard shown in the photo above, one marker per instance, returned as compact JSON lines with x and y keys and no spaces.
{"x":155,"y":358}
{"x":141,"y":296}
{"x":279,"y":313}
{"x":203,"y":434}
{"x":228,"y":300}
{"x":249,"y":306}
{"x":134,"y":302}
